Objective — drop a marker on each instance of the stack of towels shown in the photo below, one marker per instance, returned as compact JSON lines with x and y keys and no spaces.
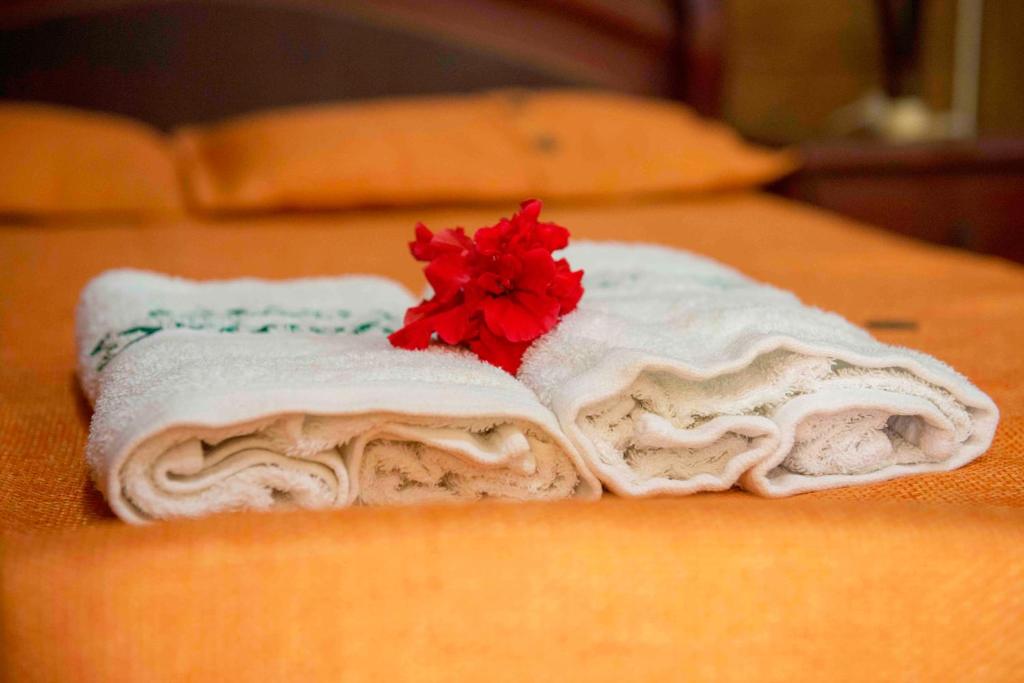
{"x":674,"y":375}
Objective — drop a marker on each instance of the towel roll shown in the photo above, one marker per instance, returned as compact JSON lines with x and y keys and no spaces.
{"x":677,"y":375}
{"x":249,"y":394}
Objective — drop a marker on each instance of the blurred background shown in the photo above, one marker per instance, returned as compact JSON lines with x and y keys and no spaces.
{"x":908,"y":114}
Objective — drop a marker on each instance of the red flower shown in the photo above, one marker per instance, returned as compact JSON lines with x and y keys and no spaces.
{"x":495,"y":293}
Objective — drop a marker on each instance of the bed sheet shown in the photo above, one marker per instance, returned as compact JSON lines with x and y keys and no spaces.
{"x":965,"y":309}
{"x":915,"y":579}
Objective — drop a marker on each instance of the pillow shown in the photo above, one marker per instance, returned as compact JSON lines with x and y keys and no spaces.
{"x":603,"y":144}
{"x":64,"y":161}
{"x":469,"y":148}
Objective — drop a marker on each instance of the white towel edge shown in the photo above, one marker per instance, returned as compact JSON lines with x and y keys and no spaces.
{"x":389,"y":398}
{"x":619,"y":369}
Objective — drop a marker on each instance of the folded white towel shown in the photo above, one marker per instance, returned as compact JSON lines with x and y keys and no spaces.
{"x":677,"y":375}
{"x":252,"y":394}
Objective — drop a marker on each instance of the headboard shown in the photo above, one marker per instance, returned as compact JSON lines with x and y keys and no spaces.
{"x":174,"y":62}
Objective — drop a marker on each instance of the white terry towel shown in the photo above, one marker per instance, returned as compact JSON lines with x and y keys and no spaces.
{"x":677,"y":375}
{"x":252,"y":394}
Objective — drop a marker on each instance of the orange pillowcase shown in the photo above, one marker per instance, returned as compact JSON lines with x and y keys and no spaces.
{"x":505,"y":145}
{"x":59,"y":161}
{"x":603,"y":144}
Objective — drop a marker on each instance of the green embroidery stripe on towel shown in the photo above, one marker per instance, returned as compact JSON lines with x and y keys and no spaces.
{"x":266,"y":320}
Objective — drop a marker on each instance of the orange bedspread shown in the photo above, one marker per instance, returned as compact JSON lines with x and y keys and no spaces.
{"x":849,"y":581}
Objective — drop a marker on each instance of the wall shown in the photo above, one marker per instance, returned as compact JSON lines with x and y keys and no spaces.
{"x":791,"y":63}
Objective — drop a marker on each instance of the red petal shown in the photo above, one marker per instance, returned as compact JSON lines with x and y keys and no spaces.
{"x":537,"y":271}
{"x":501,"y":289}
{"x":543,"y":307}
{"x":566,"y":286}
{"x":522,"y":316}
{"x":422,"y":309}
{"x":453,"y":240}
{"x":455,"y":325}
{"x":551,"y":236}
{"x":509,"y":266}
{"x":535,"y":234}
{"x":529,"y":210}
{"x":447,"y":274}
{"x":490,"y":283}
{"x":420,"y":248}
{"x":429,"y":246}
{"x":497,"y":351}
{"x":490,"y":241}
{"x":415,"y":335}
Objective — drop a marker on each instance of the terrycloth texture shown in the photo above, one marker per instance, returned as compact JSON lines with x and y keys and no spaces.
{"x":251,"y":395}
{"x":678,"y":375}
{"x":916,"y":578}
{"x":964,"y":308}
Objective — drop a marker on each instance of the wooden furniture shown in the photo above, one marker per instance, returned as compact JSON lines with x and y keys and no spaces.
{"x":178,"y":62}
{"x":964,"y":194}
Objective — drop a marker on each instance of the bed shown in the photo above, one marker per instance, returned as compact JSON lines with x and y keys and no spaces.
{"x":915,"y":579}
